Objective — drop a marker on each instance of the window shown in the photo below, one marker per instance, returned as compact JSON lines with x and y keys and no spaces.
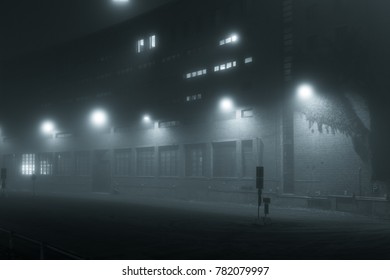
{"x":194,"y":97}
{"x":145,"y":161}
{"x":63,"y":164}
{"x":122,"y":162}
{"x":195,"y":159}
{"x":248,"y":60}
{"x":152,"y":42}
{"x":45,"y":164}
{"x":248,"y":164}
{"x":231,"y":39}
{"x":169,"y":161}
{"x":168,"y":124}
{"x":225,"y":66}
{"x":247,"y":113}
{"x":196,"y":73}
{"x":224,"y":159}
{"x":140,"y":45}
{"x":28,"y":164}
{"x":82,"y":163}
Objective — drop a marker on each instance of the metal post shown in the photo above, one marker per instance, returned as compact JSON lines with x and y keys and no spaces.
{"x":11,"y":245}
{"x":42,"y":251}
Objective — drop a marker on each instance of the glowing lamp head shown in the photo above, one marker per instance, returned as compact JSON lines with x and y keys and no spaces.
{"x":226,"y":104}
{"x":234,"y":38}
{"x":146,"y":119}
{"x":305,"y":91}
{"x":47,"y":127}
{"x":99,"y":117}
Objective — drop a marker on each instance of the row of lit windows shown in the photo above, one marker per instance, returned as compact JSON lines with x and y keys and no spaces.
{"x":225,"y":66}
{"x":217,"y":68}
{"x":229,"y":40}
{"x":196,"y":156}
{"x":44,"y":164}
{"x":194,"y":97}
{"x":196,"y":73}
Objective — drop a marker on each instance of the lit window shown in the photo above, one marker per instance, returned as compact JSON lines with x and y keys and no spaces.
{"x":247,"y":113}
{"x":140,"y":45}
{"x":193,"y":74}
{"x":204,"y":71}
{"x":228,"y":65}
{"x":28,"y":164}
{"x":222,"y":42}
{"x":228,"y":40}
{"x":45,"y":164}
{"x":188,"y":75}
{"x":200,"y":73}
{"x":223,"y":67}
{"x":234,"y":63}
{"x":248,"y":60}
{"x":216,"y":68}
{"x":152,"y":41}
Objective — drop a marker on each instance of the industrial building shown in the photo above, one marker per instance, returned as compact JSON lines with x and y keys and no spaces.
{"x":191,"y":97}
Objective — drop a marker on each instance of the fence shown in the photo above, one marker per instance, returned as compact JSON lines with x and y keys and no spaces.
{"x":46,"y":251}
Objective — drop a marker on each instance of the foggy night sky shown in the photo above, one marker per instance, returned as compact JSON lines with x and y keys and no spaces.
{"x":28,"y":25}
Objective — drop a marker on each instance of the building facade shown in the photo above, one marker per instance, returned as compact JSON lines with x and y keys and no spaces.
{"x":217,"y":80}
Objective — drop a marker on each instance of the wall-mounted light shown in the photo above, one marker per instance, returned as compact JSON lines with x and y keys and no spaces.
{"x":47,"y":127}
{"x":305,"y":91}
{"x":99,"y":117}
{"x":226,"y":104}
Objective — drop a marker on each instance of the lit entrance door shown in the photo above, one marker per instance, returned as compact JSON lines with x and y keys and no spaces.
{"x":101,"y":181}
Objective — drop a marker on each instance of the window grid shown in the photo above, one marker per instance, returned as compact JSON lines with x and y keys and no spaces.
{"x":224,"y":159}
{"x":169,"y":157}
{"x":145,"y":160}
{"x":63,"y":164}
{"x":195,"y":161}
{"x":45,"y":164}
{"x":122,"y":162}
{"x":28,"y":164}
{"x":82,"y":163}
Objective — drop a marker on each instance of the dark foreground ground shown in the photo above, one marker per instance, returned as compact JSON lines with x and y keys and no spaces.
{"x":101,"y":226}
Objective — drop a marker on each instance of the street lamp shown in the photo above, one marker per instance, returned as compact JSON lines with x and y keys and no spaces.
{"x":47,"y":127}
{"x":146,"y":119}
{"x":99,"y":117}
{"x":226,"y":105}
{"x":305,"y":91}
